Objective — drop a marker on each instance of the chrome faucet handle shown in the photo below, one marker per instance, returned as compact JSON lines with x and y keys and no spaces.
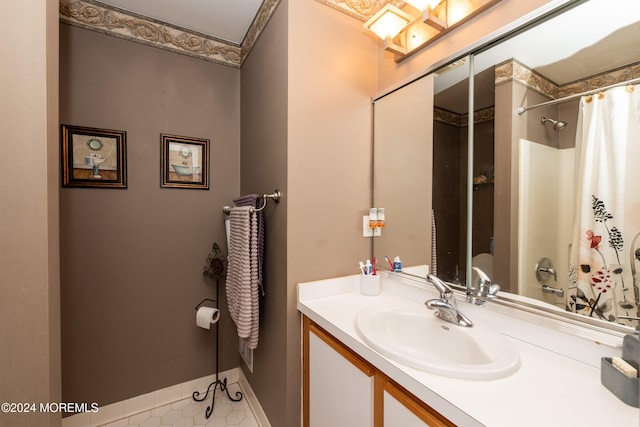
{"x":445,"y":290}
{"x":490,"y":290}
{"x":446,"y":307}
{"x":483,"y":289}
{"x":483,"y":278}
{"x":448,"y":311}
{"x":493,"y":290}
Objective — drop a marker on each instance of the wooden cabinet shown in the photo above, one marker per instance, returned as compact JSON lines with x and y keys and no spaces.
{"x":401,"y":408}
{"x":341,"y":384}
{"x":340,"y":388}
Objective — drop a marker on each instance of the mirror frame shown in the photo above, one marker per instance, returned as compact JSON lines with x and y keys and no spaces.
{"x":544,"y":13}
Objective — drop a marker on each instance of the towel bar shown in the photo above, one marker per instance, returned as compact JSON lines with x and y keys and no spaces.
{"x":275,"y":196}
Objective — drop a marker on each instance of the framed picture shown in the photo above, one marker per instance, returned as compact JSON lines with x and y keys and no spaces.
{"x":185,"y":162}
{"x":93,"y":157}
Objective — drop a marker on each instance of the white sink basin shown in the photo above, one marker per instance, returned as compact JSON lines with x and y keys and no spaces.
{"x":413,"y":336}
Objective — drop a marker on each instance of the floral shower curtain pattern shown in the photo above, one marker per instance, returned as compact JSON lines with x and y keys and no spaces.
{"x":605,"y":253}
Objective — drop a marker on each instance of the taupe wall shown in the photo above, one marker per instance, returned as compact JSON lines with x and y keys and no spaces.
{"x":264,"y":169}
{"x":29,"y":280}
{"x":132,"y":260}
{"x":331,"y":81}
{"x":306,"y":121}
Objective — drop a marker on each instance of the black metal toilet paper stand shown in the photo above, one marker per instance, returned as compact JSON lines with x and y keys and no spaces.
{"x":215,"y":268}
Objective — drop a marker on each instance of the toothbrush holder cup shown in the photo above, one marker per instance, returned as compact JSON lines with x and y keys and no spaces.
{"x":369,"y":284}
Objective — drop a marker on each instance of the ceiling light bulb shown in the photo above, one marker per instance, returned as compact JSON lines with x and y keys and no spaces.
{"x":388,"y":22}
{"x":423,"y":4}
{"x":459,"y":10}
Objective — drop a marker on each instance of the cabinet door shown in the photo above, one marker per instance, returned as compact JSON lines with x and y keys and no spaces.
{"x":338,"y":384}
{"x":401,"y":408}
{"x":396,"y":414}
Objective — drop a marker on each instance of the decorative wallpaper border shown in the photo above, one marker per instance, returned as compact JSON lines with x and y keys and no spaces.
{"x":484,"y":115}
{"x":116,"y":22}
{"x":605,"y":79}
{"x":462,"y":120}
{"x":448,"y":117}
{"x":362,"y":10}
{"x":513,"y":70}
{"x":265,"y":12}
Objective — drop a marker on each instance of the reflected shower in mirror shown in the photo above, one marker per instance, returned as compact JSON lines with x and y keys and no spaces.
{"x":540,"y":172}
{"x":526,"y":174}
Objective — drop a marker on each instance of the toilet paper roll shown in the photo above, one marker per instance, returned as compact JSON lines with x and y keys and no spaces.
{"x":206,"y":316}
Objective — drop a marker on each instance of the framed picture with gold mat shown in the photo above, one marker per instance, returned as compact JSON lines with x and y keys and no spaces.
{"x":185,"y":162}
{"x":93,"y":157}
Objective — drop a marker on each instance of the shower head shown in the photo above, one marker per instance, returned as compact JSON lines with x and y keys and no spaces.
{"x":557,"y":124}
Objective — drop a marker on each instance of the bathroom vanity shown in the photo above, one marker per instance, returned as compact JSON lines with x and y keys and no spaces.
{"x":347,"y":382}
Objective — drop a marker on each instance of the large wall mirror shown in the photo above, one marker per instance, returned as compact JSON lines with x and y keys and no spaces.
{"x":555,"y":211}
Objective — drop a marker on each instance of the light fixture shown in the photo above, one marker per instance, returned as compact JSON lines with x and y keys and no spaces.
{"x":429,"y":15}
{"x":422,"y":5}
{"x":387,"y":24}
{"x":419,"y":22}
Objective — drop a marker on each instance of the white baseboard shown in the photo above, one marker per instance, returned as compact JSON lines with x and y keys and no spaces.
{"x":252,"y":400}
{"x":145,"y":402}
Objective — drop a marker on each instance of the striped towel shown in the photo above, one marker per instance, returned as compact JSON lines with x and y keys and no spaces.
{"x":242,"y":274}
{"x":256,"y":201}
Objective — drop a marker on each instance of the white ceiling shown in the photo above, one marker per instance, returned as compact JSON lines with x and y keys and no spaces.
{"x":564,"y":49}
{"x":227,"y":20}
{"x":575,"y":44}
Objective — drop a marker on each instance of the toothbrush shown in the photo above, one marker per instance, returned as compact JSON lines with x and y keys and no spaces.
{"x":362,"y":268}
{"x":389,"y":261}
{"x":375,"y":262}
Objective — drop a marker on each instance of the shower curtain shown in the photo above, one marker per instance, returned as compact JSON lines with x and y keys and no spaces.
{"x":605,"y":252}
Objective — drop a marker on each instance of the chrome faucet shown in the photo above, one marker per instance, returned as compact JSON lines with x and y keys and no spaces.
{"x":446,"y":307}
{"x":482,"y":290}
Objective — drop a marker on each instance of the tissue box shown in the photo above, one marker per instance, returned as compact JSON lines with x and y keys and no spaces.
{"x":624,"y":388}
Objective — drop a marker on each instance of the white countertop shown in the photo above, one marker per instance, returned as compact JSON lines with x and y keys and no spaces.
{"x":558,"y":383}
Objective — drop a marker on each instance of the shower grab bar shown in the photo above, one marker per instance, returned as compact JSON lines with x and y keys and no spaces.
{"x":521,"y":110}
{"x":275,"y":196}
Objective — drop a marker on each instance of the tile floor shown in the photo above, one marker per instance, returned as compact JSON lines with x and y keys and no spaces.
{"x":187,"y":413}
